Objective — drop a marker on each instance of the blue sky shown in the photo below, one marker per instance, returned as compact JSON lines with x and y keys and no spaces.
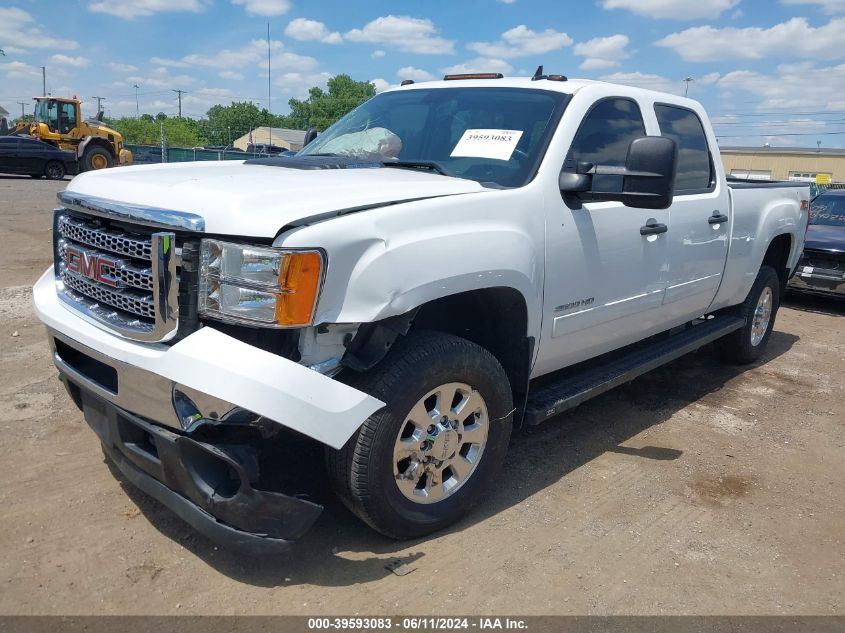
{"x":768,"y":71}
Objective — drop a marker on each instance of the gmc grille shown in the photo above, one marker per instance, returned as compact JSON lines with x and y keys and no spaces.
{"x":125,"y":280}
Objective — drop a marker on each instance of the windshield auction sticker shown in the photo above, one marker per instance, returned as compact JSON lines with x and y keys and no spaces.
{"x":497,"y":144}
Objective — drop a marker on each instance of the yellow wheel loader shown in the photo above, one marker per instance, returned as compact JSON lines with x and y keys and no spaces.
{"x":58,"y":121}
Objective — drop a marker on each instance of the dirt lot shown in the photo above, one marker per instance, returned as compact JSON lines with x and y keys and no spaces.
{"x":696,"y":489}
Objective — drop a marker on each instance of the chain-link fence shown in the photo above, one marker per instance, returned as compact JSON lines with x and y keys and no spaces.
{"x":149,"y":154}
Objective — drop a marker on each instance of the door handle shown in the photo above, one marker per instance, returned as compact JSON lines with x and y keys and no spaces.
{"x":717,"y":218}
{"x":653,"y":229}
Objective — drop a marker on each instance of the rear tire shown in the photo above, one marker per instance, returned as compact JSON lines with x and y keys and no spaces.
{"x":97,"y":157}
{"x":396,"y":473}
{"x":54,"y":170}
{"x":760,"y":308}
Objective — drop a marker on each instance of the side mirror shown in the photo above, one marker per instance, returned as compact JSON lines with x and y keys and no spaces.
{"x":648,"y":177}
{"x":310,"y":135}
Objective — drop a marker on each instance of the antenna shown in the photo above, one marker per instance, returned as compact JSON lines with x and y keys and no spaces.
{"x":538,"y":74}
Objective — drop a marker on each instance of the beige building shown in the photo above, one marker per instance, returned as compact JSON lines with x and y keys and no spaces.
{"x":279,"y":136}
{"x":806,"y":164}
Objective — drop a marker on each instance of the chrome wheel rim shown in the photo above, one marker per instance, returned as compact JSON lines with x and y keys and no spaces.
{"x":762,"y":316}
{"x":440,"y":443}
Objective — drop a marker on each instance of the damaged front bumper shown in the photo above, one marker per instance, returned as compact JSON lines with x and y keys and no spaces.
{"x":207,"y":486}
{"x":162,"y":393}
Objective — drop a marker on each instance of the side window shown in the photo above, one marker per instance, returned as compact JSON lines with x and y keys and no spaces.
{"x":695,"y":170}
{"x":604,"y":137}
{"x":68,"y":117}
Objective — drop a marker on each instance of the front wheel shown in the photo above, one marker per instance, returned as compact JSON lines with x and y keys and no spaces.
{"x":54,"y":170}
{"x":421,"y":462}
{"x":96,"y":157}
{"x":759,"y":309}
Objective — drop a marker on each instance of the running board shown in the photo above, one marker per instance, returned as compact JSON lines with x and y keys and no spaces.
{"x":574,"y":388}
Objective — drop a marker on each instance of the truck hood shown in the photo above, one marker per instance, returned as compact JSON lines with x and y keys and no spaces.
{"x":236,"y":198}
{"x":823,"y":237}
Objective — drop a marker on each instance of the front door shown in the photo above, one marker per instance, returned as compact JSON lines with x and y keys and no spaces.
{"x":605,"y":279}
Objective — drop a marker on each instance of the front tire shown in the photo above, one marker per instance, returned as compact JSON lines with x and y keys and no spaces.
{"x":97,"y":157}
{"x":760,"y":308}
{"x":421,"y":462}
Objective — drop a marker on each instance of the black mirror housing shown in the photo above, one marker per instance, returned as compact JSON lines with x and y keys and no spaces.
{"x":310,"y":135}
{"x":648,"y":175}
{"x":651,"y":165}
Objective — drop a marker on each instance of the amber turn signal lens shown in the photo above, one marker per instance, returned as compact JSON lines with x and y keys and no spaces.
{"x":299,"y":279}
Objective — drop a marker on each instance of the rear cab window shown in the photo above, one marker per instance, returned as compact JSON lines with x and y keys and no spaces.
{"x":695,"y":165}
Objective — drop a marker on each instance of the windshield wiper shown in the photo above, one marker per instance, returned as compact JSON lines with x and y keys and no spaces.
{"x":418,"y":164}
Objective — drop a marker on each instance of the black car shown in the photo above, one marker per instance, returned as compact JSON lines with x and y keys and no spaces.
{"x":822,"y":266}
{"x":23,"y":155}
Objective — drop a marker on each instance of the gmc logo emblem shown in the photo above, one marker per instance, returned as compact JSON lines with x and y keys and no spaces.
{"x":92,"y":265}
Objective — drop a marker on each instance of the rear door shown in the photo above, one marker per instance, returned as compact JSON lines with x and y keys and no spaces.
{"x":700,"y":216}
{"x":31,"y":156}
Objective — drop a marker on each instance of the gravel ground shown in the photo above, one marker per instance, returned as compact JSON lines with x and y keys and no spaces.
{"x":697,"y":489}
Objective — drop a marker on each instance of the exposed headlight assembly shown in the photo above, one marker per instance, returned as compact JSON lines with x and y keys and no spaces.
{"x":259,"y":285}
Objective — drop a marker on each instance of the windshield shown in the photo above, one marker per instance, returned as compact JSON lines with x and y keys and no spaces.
{"x":46,"y":112}
{"x":828,"y":209}
{"x":492,"y":135}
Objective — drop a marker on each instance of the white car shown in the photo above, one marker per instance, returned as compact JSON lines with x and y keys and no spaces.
{"x":395,"y":291}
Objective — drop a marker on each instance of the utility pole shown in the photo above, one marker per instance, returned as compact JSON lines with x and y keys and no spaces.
{"x":22,"y":104}
{"x":43,"y":81}
{"x":99,"y":102}
{"x":687,"y":81}
{"x":136,"y":99}
{"x":179,"y":92}
{"x":269,"y":103}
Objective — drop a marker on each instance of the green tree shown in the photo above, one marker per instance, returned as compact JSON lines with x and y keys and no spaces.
{"x":322,"y":108}
{"x":178,"y":132}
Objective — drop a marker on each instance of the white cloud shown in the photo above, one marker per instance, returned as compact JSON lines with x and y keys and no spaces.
{"x":66,"y":60}
{"x":143,"y":8}
{"x":122,"y":68}
{"x":407,"y":34}
{"x":827,"y":6}
{"x":253,"y":53}
{"x":297,"y":84}
{"x":18,"y":28}
{"x":377,"y":54}
{"x":673,"y":9}
{"x":18,"y":70}
{"x":786,"y":89}
{"x":793,"y":38}
{"x":161,"y":78}
{"x":230,"y":74}
{"x":381,"y":84}
{"x":417,"y":74}
{"x":480,"y":65}
{"x":521,"y":41}
{"x":265,"y":7}
{"x":311,"y":30}
{"x":645,"y":80}
{"x":602,"y":52}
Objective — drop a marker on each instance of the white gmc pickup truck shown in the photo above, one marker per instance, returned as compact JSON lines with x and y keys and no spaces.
{"x":448,"y":261}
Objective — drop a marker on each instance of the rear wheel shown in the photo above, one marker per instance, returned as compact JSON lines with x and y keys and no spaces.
{"x":97,"y":157}
{"x":54,"y":170}
{"x":759,"y":309}
{"x":421,"y":462}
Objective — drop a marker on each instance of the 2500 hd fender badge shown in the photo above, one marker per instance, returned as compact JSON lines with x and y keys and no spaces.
{"x":581,"y":303}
